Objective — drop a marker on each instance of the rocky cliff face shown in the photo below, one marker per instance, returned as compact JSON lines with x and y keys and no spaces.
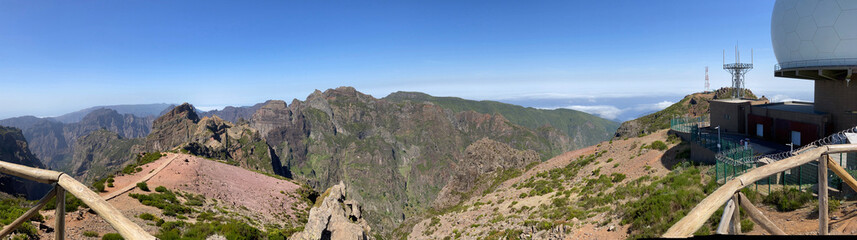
{"x":337,"y":217}
{"x":213,"y":137}
{"x":173,"y":128}
{"x":395,"y":156}
{"x":126,"y":126}
{"x":13,"y":149}
{"x":234,"y":114}
{"x":482,"y":157}
{"x":54,"y":141}
{"x":101,"y":153}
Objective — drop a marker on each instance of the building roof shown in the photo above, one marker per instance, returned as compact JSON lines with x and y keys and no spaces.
{"x":792,"y":106}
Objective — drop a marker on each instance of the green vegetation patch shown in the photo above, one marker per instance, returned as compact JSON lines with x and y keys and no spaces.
{"x":662,"y":202}
{"x":166,"y":201}
{"x":11,"y":209}
{"x":143,"y":186}
{"x":658,"y":145}
{"x":71,"y":203}
{"x":112,"y":236}
{"x":788,"y":199}
{"x":142,"y":159}
{"x":90,"y":234}
{"x":232,"y":230}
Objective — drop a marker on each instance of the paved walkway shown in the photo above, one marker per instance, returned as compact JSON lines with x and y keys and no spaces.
{"x":170,"y":157}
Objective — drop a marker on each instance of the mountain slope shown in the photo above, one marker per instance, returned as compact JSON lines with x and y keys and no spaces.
{"x":396,"y":155}
{"x":589,"y":193}
{"x":198,"y":199}
{"x":100,"y":153}
{"x":693,"y":105}
{"x":583,"y":128}
{"x":13,"y":149}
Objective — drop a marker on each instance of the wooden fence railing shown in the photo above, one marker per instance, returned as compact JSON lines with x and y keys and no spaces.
{"x":63,"y":183}
{"x":729,"y":194}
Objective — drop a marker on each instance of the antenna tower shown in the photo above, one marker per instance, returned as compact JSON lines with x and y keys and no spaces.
{"x":707,"y":86}
{"x":738,"y":70}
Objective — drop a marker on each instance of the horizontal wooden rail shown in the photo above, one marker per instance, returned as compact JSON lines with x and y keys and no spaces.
{"x":699,"y":214}
{"x":128,"y":229}
{"x":35,"y":174}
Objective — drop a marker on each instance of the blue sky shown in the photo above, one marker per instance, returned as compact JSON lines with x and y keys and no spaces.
{"x":61,"y":56}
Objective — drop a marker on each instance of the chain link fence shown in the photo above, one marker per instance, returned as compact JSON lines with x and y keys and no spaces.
{"x":734,"y":158}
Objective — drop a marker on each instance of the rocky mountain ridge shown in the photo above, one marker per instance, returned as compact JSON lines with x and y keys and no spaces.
{"x":396,"y":156}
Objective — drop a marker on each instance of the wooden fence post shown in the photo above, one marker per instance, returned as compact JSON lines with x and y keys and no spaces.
{"x":758,"y":216}
{"x":726,"y":218}
{"x":736,"y":217}
{"x":822,"y":195}
{"x":60,"y":214}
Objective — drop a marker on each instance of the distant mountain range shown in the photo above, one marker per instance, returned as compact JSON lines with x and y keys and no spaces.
{"x":395,"y":153}
{"x":139,"y":110}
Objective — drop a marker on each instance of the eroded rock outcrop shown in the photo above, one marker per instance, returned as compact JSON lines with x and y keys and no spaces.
{"x":482,"y":157}
{"x":13,"y":149}
{"x":336,"y":218}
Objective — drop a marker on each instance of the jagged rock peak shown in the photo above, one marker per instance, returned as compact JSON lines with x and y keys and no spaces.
{"x":275,"y":104}
{"x":274,"y":114}
{"x":347,"y":92}
{"x":101,"y":113}
{"x":184,"y":110}
{"x":336,"y":218}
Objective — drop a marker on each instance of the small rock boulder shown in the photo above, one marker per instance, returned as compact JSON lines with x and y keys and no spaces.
{"x":335,"y":218}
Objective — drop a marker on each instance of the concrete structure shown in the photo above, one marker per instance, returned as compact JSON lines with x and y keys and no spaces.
{"x":731,"y":114}
{"x":787,"y":122}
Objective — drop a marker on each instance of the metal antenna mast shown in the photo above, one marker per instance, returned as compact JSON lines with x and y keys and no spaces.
{"x":707,"y":86}
{"x":738,"y":70}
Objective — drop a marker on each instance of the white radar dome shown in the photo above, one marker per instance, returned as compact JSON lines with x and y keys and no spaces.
{"x":814,"y":33}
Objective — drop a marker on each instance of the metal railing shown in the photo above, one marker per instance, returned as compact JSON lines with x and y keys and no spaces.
{"x":839,"y":62}
{"x":63,"y":183}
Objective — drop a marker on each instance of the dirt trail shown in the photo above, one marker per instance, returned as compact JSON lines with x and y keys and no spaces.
{"x":230,"y":192}
{"x":131,"y":185}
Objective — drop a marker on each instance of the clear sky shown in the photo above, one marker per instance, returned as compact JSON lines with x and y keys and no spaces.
{"x":61,"y":56}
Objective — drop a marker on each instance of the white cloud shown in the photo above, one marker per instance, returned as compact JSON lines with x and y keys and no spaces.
{"x":654,"y":106}
{"x":783,"y":98}
{"x":613,"y":112}
{"x":209,"y":108}
{"x":604,"y":111}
